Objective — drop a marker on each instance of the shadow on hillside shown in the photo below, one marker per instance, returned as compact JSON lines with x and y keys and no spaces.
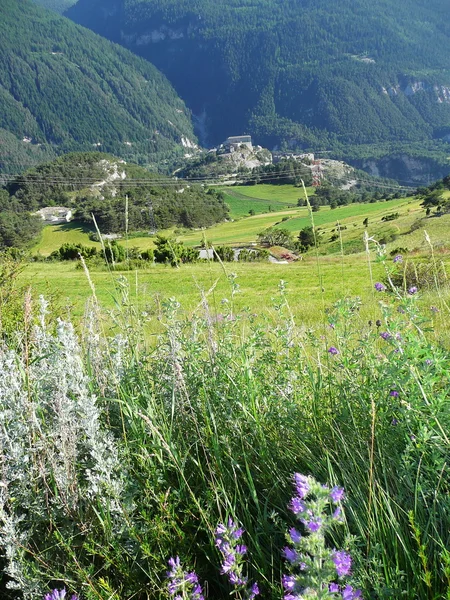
{"x":77,"y":226}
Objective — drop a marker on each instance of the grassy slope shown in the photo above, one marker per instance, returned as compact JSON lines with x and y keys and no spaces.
{"x":261,"y":198}
{"x":245,"y":230}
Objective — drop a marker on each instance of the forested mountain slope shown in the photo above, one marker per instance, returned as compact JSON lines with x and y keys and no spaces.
{"x":309,"y":72}
{"x":94,"y":183}
{"x":56,"y":5}
{"x":64,"y":88}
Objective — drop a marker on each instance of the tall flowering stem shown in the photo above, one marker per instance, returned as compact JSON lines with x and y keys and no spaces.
{"x":182,"y":585}
{"x":228,"y":541}
{"x":316,"y":571}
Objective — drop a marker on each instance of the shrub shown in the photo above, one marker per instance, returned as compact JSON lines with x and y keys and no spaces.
{"x":419,"y":274}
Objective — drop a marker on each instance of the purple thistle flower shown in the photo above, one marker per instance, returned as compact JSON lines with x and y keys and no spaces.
{"x":290,"y":554}
{"x":297,"y":506}
{"x":398,"y":258}
{"x":393,"y":393}
{"x":385,"y":335}
{"x":337,"y":494}
{"x":301,"y":485}
{"x":348,"y":593}
{"x":413,"y":290}
{"x":332,"y":350}
{"x":295,"y":535}
{"x":342,"y":562}
{"x":380,"y":287}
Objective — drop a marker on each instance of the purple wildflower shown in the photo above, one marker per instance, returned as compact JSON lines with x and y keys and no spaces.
{"x":342,"y":562}
{"x":413,"y":290}
{"x":337,"y":494}
{"x":333,"y":588}
{"x":301,"y":485}
{"x":314,"y":524}
{"x":394,"y":422}
{"x":297,"y":506}
{"x":290,"y":554}
{"x":181,"y":583}
{"x":398,"y":258}
{"x":393,"y":393}
{"x":428,"y":361}
{"x":380,"y":287}
{"x":295,"y":535}
{"x":332,"y":350}
{"x":348,"y":593}
{"x":59,"y":595}
{"x":385,"y":335}
{"x":337,"y":515}
{"x":288,"y":582}
{"x":228,"y":563}
{"x":227,"y":538}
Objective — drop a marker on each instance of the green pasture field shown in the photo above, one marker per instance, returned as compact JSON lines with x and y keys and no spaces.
{"x":312,"y":286}
{"x":245,"y":230}
{"x":262,"y":198}
{"x":340,"y":275}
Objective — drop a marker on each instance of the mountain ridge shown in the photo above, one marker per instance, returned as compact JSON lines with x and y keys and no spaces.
{"x":323,"y":73}
{"x":64,"y":88}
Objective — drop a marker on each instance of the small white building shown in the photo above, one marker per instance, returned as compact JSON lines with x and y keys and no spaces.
{"x":55,"y":214}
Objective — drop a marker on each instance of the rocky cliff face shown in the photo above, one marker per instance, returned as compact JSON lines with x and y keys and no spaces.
{"x":404,"y":168}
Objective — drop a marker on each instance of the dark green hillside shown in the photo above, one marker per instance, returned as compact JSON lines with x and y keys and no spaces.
{"x":65,"y":88}
{"x":56,"y":5}
{"x":74,"y":181}
{"x":329,"y":73}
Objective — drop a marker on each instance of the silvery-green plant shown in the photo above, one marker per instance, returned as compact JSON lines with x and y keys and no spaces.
{"x":57,"y":459}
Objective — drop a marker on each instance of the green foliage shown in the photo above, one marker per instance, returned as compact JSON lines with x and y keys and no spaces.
{"x":70,"y":181}
{"x":306,"y":239}
{"x":284,"y":172}
{"x":57,"y":5}
{"x":73,"y":252}
{"x":253,"y":255}
{"x":419,"y":274}
{"x":171,"y":252}
{"x":275,"y":236}
{"x":67,"y":89}
{"x":390,"y":217}
{"x":224,"y":253}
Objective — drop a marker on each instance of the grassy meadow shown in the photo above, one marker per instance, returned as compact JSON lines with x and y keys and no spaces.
{"x":312,"y":283}
{"x":129,"y":450}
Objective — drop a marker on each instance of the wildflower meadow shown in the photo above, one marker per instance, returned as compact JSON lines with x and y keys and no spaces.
{"x":242,"y":455}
